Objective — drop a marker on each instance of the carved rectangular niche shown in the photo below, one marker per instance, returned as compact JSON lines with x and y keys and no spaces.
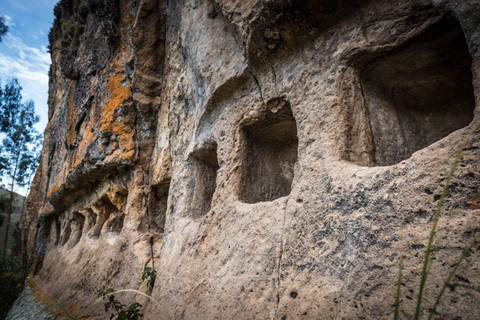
{"x":73,"y":230}
{"x":271,"y":153}
{"x":206,"y":166}
{"x":158,"y":206}
{"x":53,"y":230}
{"x":419,"y":93}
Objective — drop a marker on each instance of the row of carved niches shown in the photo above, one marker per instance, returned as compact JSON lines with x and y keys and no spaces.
{"x":418,"y":93}
{"x":104,"y":217}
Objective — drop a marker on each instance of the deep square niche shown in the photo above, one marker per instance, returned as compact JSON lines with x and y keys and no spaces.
{"x":420,"y":93}
{"x":270,"y":155}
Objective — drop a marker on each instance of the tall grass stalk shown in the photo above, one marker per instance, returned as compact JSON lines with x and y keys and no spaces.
{"x":450,"y":276}
{"x":402,"y":253}
{"x":399,"y":289}
{"x":145,"y":295}
{"x":428,"y":250}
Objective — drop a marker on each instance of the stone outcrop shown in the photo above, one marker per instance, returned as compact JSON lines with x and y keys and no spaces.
{"x":254,"y":152}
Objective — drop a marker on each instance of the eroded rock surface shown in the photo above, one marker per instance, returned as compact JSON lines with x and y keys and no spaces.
{"x":253,"y":151}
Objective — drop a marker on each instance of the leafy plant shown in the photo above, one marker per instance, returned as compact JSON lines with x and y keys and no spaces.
{"x":150,"y":275}
{"x":120,"y":310}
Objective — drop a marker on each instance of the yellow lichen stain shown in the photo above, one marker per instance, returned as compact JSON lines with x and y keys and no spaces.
{"x":46,"y":208}
{"x":115,"y":95}
{"x":119,"y":95}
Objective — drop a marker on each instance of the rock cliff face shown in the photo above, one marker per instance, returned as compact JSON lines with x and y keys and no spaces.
{"x":254,"y":151}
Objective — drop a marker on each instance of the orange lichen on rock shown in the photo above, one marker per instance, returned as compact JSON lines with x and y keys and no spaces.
{"x":120,"y":95}
{"x":46,"y":208}
{"x":126,"y":16}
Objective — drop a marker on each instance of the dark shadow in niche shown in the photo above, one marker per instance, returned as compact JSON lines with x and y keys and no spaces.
{"x":158,"y":206}
{"x":419,"y":93}
{"x":53,"y":230}
{"x":206,"y":166}
{"x":271,"y":154}
{"x":76,"y":229}
{"x":90,"y":221}
{"x":65,"y":234}
{"x":108,"y":218}
{"x":114,"y":222}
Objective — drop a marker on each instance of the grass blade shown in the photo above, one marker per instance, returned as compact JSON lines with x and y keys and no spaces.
{"x":450,"y":276}
{"x":145,"y":295}
{"x":399,"y":289}
{"x":426,"y":261}
{"x":400,"y":269}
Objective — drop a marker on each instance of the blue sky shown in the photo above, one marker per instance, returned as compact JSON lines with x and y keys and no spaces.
{"x":23,"y":51}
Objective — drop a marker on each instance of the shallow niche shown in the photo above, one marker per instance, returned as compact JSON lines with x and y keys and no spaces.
{"x":109,"y":218}
{"x":205,"y":163}
{"x":158,"y":205}
{"x":271,"y":151}
{"x":72,"y":233}
{"x":419,"y":93}
{"x":53,"y":229}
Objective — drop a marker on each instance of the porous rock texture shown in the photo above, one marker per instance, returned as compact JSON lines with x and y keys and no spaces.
{"x":254,"y":151}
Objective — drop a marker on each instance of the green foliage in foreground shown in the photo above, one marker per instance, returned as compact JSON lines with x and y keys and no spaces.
{"x":120,"y":310}
{"x":150,"y":275}
{"x":12,"y":277}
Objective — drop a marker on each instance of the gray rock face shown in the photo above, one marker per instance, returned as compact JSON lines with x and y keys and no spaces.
{"x":253,"y":151}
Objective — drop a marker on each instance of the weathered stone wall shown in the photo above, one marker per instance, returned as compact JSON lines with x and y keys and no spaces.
{"x":255,"y":150}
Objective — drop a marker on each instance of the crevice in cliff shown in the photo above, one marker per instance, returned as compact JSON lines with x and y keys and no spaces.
{"x":271,"y":153}
{"x":257,"y":83}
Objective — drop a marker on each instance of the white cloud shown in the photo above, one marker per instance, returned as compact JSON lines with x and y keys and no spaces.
{"x":32,"y":63}
{"x":8,"y":20}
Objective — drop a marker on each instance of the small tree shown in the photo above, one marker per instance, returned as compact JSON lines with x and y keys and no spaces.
{"x":19,"y":152}
{"x":10,"y":99}
{"x":3,"y":28}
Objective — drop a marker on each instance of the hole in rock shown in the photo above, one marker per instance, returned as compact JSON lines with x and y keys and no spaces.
{"x":293,"y":294}
{"x":158,"y":205}
{"x":271,"y":154}
{"x":206,"y":167}
{"x":419,"y":93}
